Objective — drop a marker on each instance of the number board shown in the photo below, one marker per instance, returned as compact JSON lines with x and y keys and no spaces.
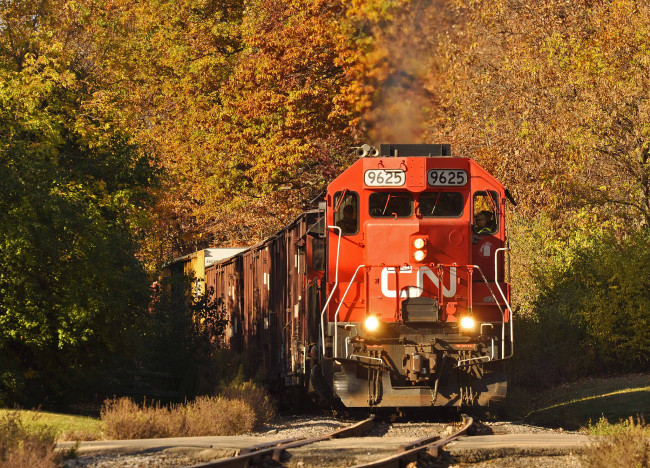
{"x":446,"y":177}
{"x":384,"y":177}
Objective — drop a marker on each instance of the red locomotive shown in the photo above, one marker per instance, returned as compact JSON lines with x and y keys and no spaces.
{"x":393,"y":293}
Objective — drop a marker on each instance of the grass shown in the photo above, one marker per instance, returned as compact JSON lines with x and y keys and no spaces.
{"x":65,"y":426}
{"x":603,"y":428}
{"x":577,"y":404}
{"x":239,"y":409}
{"x":23,"y":446}
{"x":625,"y":444}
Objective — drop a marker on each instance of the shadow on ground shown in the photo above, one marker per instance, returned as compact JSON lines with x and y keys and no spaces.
{"x":580,"y":412}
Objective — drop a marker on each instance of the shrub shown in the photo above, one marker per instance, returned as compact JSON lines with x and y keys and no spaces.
{"x":23,"y":448}
{"x":184,"y":335}
{"x":619,"y":445}
{"x":219,"y":416}
{"x":255,"y":396}
{"x":124,"y":419}
{"x":240,"y":410}
{"x":589,"y":311}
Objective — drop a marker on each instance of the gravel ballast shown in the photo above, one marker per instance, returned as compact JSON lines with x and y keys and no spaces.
{"x":310,"y":426}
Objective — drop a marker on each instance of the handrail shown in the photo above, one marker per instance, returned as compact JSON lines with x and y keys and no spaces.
{"x":336,"y":283}
{"x":503,"y":316}
{"x":440,"y":278}
{"x":336,"y":315}
{"x":496,"y":279}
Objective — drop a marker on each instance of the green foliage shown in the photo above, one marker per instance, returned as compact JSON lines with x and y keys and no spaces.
{"x":542,"y":247}
{"x":184,"y":335}
{"x":589,"y":315}
{"x":65,"y":426}
{"x":604,"y":428}
{"x":72,"y":191}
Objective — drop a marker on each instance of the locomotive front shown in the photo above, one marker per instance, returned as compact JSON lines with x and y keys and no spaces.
{"x":416,"y":302}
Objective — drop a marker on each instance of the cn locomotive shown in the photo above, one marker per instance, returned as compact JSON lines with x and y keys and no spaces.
{"x":392,"y":292}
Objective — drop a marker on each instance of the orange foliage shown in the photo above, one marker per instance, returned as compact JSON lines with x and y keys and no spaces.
{"x":552,"y":97}
{"x":252,"y":107}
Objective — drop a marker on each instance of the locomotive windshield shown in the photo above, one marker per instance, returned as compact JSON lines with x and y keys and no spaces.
{"x":441,"y":204}
{"x":390,"y":204}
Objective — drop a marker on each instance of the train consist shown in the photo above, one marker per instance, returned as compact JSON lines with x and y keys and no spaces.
{"x":393,"y":292}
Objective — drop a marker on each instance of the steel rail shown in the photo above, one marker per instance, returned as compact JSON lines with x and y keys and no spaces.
{"x":273,"y":444}
{"x":277,"y":448}
{"x":411,"y":451}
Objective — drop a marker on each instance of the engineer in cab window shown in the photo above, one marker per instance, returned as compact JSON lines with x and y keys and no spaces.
{"x":485,"y":210}
{"x":481,"y":223}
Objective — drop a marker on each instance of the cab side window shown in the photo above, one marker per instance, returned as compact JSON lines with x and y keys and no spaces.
{"x":485,"y":210}
{"x":346,"y":211}
{"x":318,"y":253}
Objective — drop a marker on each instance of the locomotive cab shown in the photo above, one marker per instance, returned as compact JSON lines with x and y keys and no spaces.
{"x":416,"y":303}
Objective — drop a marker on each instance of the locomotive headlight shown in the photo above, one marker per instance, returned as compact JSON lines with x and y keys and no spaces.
{"x":418,"y":248}
{"x":467,"y":323}
{"x":371,"y":323}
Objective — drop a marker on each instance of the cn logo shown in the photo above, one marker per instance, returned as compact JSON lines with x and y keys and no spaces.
{"x":388,"y":281}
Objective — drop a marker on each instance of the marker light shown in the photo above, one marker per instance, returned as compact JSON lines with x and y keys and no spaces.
{"x":418,"y":255}
{"x":467,"y":323}
{"x":418,"y":243}
{"x":371,"y":323}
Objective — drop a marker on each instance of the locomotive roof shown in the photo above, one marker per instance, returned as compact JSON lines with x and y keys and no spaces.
{"x":409,"y":150}
{"x":420,"y":158}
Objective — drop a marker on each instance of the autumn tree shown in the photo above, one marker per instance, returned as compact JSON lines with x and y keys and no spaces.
{"x":552,"y":97}
{"x":250,"y":108}
{"x":313,"y":80}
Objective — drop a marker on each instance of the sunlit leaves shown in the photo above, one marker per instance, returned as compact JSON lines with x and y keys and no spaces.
{"x":553,"y":98}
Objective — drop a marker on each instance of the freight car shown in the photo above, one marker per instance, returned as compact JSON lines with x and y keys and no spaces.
{"x":393,"y":292}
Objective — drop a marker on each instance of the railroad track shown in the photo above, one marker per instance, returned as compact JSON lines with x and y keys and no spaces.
{"x":276,"y":449}
{"x":412,"y":451}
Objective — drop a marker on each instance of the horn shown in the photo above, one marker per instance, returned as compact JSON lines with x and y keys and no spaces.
{"x":374,"y":152}
{"x":363,"y":150}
